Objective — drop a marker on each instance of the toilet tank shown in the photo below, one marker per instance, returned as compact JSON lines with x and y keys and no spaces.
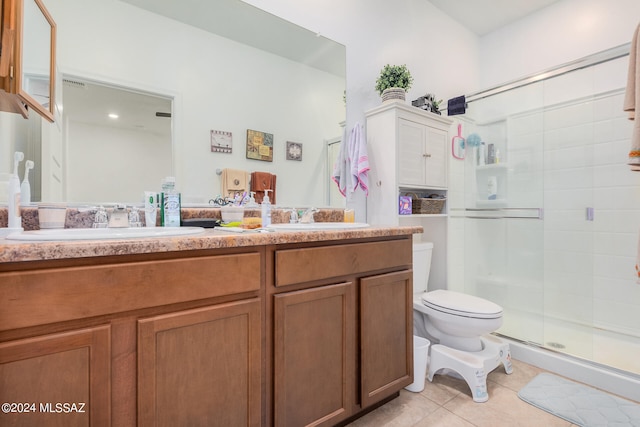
{"x":421,"y":266}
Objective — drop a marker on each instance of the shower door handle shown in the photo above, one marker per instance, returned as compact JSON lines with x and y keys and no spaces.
{"x":589,"y":214}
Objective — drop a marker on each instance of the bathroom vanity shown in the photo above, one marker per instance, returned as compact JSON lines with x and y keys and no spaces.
{"x":283,"y":328}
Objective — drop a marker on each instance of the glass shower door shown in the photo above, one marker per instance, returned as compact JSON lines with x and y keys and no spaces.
{"x":504,"y":232}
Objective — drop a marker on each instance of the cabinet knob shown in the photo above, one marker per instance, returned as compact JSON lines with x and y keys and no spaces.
{"x":426,"y":155}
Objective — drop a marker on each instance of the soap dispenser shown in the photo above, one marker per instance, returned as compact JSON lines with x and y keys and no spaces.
{"x":266,"y":210}
{"x":15,"y":218}
{"x":252,"y":204}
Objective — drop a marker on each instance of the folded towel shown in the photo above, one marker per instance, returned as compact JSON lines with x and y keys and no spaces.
{"x":359,"y":159}
{"x":261,"y":181}
{"x":632,"y":99}
{"x":341,"y":173}
{"x":456,"y":106}
{"x":234,"y":180}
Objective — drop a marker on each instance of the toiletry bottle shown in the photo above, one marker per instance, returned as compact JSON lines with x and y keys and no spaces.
{"x":482,"y":154}
{"x":15,"y":218}
{"x":251,"y":204}
{"x":266,"y":210}
{"x":150,"y":208}
{"x":170,"y":203}
{"x":492,"y":188}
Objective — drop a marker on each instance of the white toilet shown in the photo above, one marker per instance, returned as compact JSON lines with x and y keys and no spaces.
{"x":459,"y":326}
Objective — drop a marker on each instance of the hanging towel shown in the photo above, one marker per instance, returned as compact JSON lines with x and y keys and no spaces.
{"x":341,"y":173}
{"x":234,"y":180}
{"x":359,"y":159}
{"x":261,"y":181}
{"x":632,"y":99}
{"x":456,"y":106}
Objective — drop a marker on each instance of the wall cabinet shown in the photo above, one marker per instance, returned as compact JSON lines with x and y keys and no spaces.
{"x":409,"y":153}
{"x":27,"y":58}
{"x":422,"y":154}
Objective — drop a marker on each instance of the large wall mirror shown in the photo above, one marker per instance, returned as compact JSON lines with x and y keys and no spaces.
{"x":235,"y":68}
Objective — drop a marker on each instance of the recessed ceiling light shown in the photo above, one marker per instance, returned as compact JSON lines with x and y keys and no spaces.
{"x":113,"y":116}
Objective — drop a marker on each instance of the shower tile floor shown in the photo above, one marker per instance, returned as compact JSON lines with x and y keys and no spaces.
{"x":447,"y":402}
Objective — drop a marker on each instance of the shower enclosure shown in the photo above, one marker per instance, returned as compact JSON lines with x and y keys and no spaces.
{"x":549,"y":228}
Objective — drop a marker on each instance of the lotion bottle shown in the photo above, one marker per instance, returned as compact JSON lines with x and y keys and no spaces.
{"x":170,"y":203}
{"x":15,"y":218}
{"x":266,"y":210}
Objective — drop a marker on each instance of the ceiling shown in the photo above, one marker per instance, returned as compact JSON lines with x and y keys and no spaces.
{"x":485,"y":16}
{"x":89,"y":102}
{"x":266,"y":32}
{"x":244,"y":23}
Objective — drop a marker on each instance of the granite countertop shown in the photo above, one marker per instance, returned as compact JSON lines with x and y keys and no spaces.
{"x":20,"y":251}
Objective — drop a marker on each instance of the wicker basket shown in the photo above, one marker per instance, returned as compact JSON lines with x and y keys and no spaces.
{"x":425,"y":205}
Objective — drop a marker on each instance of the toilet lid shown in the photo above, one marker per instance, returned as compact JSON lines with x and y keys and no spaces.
{"x":460,"y":304}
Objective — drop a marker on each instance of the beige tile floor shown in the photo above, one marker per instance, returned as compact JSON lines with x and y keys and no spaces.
{"x":447,"y":402}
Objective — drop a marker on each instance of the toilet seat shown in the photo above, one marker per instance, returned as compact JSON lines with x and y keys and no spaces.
{"x":463,"y":305}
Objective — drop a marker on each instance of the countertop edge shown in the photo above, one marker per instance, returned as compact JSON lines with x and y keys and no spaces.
{"x":20,"y":251}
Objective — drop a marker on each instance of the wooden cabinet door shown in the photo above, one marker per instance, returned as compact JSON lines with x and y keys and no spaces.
{"x":386,"y":335}
{"x":57,"y":380}
{"x":314,"y":356}
{"x":201,"y":367}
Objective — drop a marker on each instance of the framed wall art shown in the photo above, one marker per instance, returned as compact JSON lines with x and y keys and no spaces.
{"x":221,"y":142}
{"x":259,"y":145}
{"x":294,"y":151}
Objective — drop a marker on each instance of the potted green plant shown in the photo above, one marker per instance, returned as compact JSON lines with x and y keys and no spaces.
{"x":393,"y":82}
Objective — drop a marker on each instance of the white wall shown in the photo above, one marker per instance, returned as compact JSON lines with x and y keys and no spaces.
{"x":441,"y":55}
{"x":562,"y":32}
{"x":218,"y":84}
{"x":109,"y":161}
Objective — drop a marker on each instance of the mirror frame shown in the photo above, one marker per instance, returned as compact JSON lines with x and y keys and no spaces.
{"x":22,"y":94}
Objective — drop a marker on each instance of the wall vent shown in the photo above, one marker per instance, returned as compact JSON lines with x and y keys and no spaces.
{"x":74,"y":83}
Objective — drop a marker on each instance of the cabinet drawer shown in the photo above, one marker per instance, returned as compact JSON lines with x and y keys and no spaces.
{"x":54,"y":295}
{"x":304,"y":265}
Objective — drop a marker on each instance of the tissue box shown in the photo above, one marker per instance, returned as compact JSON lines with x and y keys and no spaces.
{"x":404,"y":207}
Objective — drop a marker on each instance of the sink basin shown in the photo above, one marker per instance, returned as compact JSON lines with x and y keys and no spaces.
{"x":103,"y":233}
{"x":318,"y":226}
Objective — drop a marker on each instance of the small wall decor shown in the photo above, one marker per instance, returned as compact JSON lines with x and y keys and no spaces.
{"x":259,"y":145}
{"x":294,"y":151}
{"x":221,"y":142}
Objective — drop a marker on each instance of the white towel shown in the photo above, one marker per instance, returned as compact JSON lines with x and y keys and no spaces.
{"x":359,"y":159}
{"x":340,"y":173}
{"x":632,"y":99}
{"x":234,"y":180}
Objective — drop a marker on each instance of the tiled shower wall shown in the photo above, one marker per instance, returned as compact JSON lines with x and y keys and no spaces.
{"x":564,"y":281}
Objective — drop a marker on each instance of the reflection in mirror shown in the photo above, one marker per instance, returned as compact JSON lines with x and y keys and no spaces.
{"x":213,"y":82}
{"x":38,"y":45}
{"x":118,"y":142}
